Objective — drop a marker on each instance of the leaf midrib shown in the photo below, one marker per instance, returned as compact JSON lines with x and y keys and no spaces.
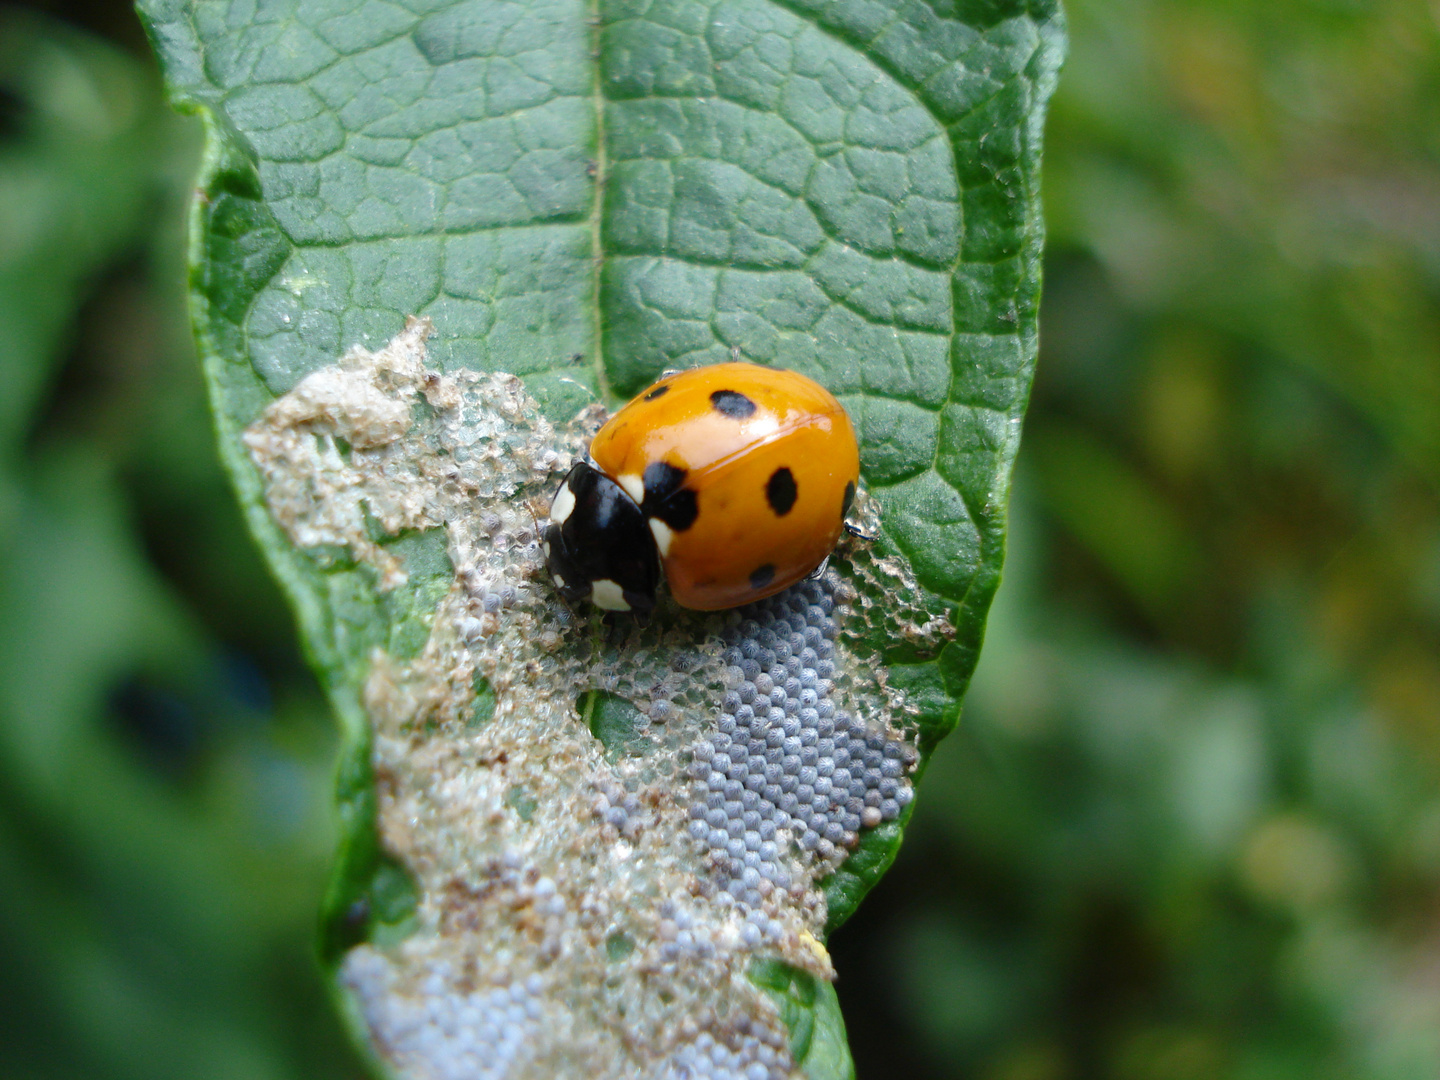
{"x":597,"y":222}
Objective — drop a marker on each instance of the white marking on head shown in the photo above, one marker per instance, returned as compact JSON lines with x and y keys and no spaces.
{"x":608,"y":595}
{"x":564,"y":503}
{"x":633,"y":485}
{"x":545,"y":547}
{"x":663,"y":536}
{"x":559,"y":581}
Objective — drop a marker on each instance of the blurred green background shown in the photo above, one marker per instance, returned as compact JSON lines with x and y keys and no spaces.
{"x":1190,"y":824}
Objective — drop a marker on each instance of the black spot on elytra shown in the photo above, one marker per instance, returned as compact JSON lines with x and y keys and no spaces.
{"x":659,"y":391}
{"x":849,"y":500}
{"x":733,"y":404}
{"x":667,"y":497}
{"x":780,"y":491}
{"x":762,"y":576}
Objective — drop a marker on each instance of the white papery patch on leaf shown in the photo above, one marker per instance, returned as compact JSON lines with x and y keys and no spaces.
{"x":589,"y":902}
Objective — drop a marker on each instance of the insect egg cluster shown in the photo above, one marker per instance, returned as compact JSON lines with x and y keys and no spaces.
{"x":485,"y":1034}
{"x":594,"y":875}
{"x":784,"y":765}
{"x":754,"y":1058}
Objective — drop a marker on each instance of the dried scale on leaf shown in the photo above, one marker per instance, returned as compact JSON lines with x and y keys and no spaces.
{"x":581,"y":903}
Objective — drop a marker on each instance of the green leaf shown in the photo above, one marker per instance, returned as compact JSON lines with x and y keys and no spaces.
{"x":615,"y":722}
{"x":811,"y":1012}
{"x":585,"y":197}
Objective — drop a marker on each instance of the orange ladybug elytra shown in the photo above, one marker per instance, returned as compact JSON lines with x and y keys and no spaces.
{"x":735,"y":478}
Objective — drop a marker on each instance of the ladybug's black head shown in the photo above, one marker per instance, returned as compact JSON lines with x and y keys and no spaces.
{"x":598,"y":545}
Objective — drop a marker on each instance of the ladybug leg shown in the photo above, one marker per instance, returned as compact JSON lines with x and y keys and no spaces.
{"x":619,"y":624}
{"x":854,"y":530}
{"x":614,"y":632}
{"x":535,"y":517}
{"x":819,"y":571}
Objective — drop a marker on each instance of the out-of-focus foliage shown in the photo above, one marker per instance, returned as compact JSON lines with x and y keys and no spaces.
{"x":164,"y":761}
{"x":1189,"y":827}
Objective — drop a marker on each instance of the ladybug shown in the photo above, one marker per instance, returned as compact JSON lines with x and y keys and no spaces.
{"x":733,"y":478}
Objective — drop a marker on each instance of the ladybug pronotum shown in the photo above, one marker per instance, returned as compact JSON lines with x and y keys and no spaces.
{"x":734,"y":478}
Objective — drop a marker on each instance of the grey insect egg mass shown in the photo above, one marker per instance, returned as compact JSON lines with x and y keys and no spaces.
{"x":587,"y":875}
{"x":791,"y":761}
